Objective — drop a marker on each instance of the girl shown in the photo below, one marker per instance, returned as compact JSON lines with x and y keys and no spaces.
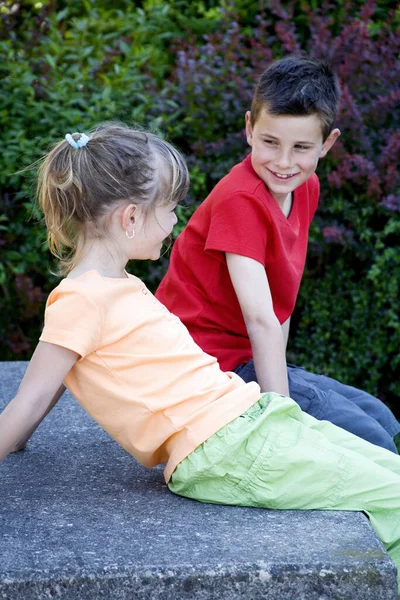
{"x":108,"y":198}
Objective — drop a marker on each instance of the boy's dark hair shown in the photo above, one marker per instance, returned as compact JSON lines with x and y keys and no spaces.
{"x":298,"y":86}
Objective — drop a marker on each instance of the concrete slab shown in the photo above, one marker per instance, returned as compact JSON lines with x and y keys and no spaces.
{"x":80,"y":519}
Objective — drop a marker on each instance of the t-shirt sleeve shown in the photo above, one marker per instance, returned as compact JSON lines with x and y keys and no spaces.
{"x":239,"y":224}
{"x":72,"y":320}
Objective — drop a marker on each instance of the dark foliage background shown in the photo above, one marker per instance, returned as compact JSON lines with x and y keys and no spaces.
{"x":188,"y":70}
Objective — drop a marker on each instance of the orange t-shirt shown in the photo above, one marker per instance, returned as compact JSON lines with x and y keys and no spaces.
{"x":141,"y":376}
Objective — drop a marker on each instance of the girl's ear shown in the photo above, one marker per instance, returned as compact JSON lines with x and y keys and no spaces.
{"x":129,"y":218}
{"x":328,"y":143}
{"x":249,"y":129}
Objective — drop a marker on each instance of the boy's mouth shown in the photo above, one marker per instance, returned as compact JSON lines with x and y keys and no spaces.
{"x":282,"y":176}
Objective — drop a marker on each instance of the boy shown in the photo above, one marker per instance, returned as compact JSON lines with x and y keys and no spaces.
{"x":236,"y":269}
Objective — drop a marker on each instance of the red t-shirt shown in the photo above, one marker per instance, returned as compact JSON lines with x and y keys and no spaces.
{"x":242,"y":217}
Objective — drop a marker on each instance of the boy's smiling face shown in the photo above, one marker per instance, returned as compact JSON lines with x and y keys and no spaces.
{"x":286,"y":150}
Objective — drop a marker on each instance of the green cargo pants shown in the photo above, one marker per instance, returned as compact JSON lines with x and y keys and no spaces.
{"x":276,"y":456}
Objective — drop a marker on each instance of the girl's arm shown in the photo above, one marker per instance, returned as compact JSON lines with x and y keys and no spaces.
{"x":250,"y":282}
{"x":38,"y":392}
{"x":20,"y":445}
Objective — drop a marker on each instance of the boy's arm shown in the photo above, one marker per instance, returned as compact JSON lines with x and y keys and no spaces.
{"x":285,"y":331}
{"x":38,"y":392}
{"x":250,"y":283}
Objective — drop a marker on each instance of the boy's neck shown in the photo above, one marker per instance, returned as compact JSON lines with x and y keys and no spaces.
{"x":285,"y":203}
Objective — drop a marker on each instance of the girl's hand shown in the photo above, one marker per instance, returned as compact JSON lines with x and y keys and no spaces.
{"x":18,"y":447}
{"x":39,"y":391}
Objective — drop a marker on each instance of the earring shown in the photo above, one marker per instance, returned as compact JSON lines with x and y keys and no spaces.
{"x":131,"y":235}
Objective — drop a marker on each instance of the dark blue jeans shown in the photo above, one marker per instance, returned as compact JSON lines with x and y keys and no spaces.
{"x":348,"y":407}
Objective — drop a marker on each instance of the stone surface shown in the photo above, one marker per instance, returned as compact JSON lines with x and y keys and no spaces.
{"x":80,"y":519}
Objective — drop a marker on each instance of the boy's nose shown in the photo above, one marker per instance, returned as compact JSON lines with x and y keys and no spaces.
{"x":284,"y":160}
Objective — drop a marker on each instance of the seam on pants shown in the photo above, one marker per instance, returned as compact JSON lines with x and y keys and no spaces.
{"x":393,"y":429}
{"x":266,"y":451}
{"x":344,"y":467}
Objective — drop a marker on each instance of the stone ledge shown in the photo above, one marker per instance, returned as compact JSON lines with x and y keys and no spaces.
{"x":80,"y":520}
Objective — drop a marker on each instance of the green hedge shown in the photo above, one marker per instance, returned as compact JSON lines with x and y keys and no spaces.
{"x":65,"y":68}
{"x":188,"y":70}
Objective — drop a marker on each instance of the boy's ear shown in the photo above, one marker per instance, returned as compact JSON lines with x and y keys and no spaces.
{"x":328,"y":143}
{"x":249,"y":129}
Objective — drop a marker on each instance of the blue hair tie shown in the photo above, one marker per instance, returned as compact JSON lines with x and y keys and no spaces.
{"x":83,"y":140}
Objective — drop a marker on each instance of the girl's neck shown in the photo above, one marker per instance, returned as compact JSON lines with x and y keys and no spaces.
{"x":111,"y":274}
{"x":102,"y":258}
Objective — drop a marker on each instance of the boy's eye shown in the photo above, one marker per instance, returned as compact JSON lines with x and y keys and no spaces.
{"x":270,"y":142}
{"x":301,"y":147}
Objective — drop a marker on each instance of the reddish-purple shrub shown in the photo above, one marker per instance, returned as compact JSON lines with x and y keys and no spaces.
{"x":211,"y":87}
